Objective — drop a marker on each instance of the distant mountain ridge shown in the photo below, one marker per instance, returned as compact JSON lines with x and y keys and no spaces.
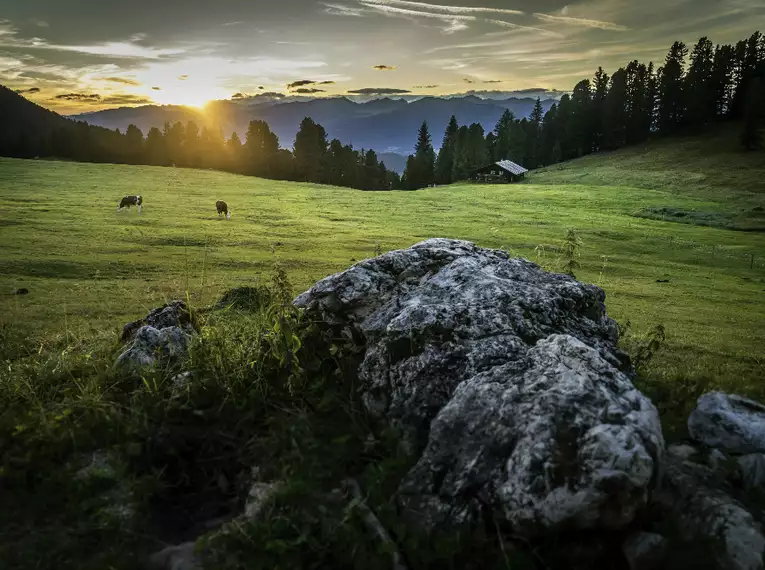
{"x":384,"y":125}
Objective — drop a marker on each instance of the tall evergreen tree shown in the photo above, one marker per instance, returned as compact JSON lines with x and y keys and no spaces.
{"x":424,"y":160}
{"x":155,"y":151}
{"x":134,"y":145}
{"x":698,"y":89}
{"x":445,"y":161}
{"x":260,"y":149}
{"x":581,"y":118}
{"x":503,"y":134}
{"x":754,"y":114}
{"x":671,"y":98}
{"x":234,"y":152}
{"x":600,"y":90}
{"x":615,"y":121}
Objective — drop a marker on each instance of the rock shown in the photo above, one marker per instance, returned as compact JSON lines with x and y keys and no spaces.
{"x":505,"y":379}
{"x":752,"y":469}
{"x":22,"y":291}
{"x":693,"y":496}
{"x":150,"y":347}
{"x":181,"y":557}
{"x":174,"y":314}
{"x":259,"y":495}
{"x":644,"y":550}
{"x":729,"y":422}
{"x":716,"y":459}
{"x":682,"y":451}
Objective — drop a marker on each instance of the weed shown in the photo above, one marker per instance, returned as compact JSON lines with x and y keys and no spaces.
{"x":570,"y":254}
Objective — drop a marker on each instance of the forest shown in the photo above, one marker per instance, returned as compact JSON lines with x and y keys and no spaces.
{"x":693,"y":89}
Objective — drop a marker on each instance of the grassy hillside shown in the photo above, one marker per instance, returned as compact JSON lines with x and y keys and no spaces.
{"x":88,"y":267}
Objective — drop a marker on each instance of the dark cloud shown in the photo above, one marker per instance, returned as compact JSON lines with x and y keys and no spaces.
{"x":157,"y":88}
{"x":126,"y":100}
{"x":261,"y":87}
{"x":300,"y":83}
{"x":384,"y":67}
{"x":468,"y":80}
{"x":378,"y":91}
{"x":326,"y":83}
{"x":29,"y":91}
{"x":424,"y":86}
{"x":79,"y":97}
{"x":122,"y":80}
{"x":183,"y":77}
{"x":239,"y":96}
{"x":493,"y":81}
{"x":307,"y":91}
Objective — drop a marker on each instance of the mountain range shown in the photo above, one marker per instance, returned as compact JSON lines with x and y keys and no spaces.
{"x":385,"y":125}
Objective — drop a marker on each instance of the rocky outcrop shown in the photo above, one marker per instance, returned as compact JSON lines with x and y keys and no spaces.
{"x":729,"y":422}
{"x":506,"y":381}
{"x":160,"y":339}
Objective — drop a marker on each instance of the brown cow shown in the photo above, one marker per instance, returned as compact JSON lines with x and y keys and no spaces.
{"x":128,"y":201}
{"x":222,"y":208}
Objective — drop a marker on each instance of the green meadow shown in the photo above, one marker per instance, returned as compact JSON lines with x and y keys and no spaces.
{"x":674,"y":233}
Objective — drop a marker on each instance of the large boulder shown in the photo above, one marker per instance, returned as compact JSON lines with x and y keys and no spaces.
{"x":729,"y":422}
{"x":504,"y":379}
{"x":173,"y":314}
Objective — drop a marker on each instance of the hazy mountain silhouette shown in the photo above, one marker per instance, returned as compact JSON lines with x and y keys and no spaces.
{"x":19,"y":116}
{"x":385,"y":125}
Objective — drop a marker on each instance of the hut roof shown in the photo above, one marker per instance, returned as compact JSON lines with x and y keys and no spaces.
{"x":511,"y":167}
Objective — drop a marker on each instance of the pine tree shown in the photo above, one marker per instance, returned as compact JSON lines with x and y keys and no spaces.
{"x":155,"y":151}
{"x":671,"y":98}
{"x":581,"y":131}
{"x":754,"y":115}
{"x":615,"y":123}
{"x":502,"y":132}
{"x":133,"y":144}
{"x":698,"y":89}
{"x":425,"y":159}
{"x":445,"y":161}
{"x":600,"y":90}
{"x":234,"y":152}
{"x":261,"y":148}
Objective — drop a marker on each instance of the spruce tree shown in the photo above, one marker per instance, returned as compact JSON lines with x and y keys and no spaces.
{"x":425,"y":159}
{"x":754,"y":115}
{"x":445,"y":161}
{"x":671,"y":98}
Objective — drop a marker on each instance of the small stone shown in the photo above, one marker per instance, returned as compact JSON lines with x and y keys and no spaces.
{"x":644,"y":550}
{"x":181,"y":557}
{"x":682,"y":451}
{"x":259,"y":495}
{"x":716,"y":459}
{"x":22,"y":291}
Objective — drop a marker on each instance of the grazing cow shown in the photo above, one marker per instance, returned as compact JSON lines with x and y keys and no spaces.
{"x":222,"y":208}
{"x":128,"y":201}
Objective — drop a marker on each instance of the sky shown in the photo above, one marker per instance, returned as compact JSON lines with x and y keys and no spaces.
{"x":84,"y":55}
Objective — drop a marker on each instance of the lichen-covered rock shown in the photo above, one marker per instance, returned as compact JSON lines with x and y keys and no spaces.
{"x":151,"y":347}
{"x":505,"y":379}
{"x":729,"y":422}
{"x":174,"y":314}
{"x":696,"y":498}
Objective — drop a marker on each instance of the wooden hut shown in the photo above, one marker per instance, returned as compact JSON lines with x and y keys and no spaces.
{"x":501,"y":172}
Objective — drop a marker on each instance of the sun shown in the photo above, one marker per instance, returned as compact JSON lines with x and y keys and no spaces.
{"x":188,"y":95}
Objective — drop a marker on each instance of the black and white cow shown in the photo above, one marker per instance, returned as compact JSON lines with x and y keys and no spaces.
{"x":128,"y":201}
{"x":222,"y":208}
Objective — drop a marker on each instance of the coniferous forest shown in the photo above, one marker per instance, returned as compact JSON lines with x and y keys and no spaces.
{"x":691,"y":90}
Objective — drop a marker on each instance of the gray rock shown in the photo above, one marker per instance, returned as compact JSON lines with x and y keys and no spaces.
{"x":152,"y":347}
{"x":716,"y":459}
{"x":181,"y":557}
{"x":644,"y":550}
{"x":692,"y":495}
{"x":174,"y":314}
{"x":505,"y":379}
{"x":259,"y":495}
{"x":752,"y":468}
{"x":729,"y":422}
{"x":682,"y":451}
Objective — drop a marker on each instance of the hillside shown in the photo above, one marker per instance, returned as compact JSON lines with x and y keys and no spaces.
{"x":20,"y":117}
{"x":385,"y":125}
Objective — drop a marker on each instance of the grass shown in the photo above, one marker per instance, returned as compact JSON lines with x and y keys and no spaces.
{"x":691,"y":292}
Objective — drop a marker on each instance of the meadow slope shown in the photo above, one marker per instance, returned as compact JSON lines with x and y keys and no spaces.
{"x":89,"y":268}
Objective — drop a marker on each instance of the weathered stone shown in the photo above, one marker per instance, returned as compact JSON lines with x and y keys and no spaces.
{"x":505,"y":379}
{"x":682,"y":450}
{"x":644,"y":550}
{"x":174,"y":314}
{"x":729,"y":422}
{"x":259,"y":495}
{"x":181,"y":557}
{"x":752,"y":468}
{"x":694,"y":497}
{"x":150,"y":347}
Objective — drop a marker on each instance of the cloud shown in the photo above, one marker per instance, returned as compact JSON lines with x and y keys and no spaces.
{"x":378,"y":91}
{"x":493,"y":81}
{"x":85,"y":97}
{"x":28,"y":91}
{"x":581,"y":22}
{"x":308,"y":91}
{"x":300,"y":83}
{"x":126,"y":99}
{"x":323,"y":83}
{"x":239,"y":96}
{"x":261,"y":87}
{"x":424,"y":86}
{"x":389,"y":10}
{"x":123,"y":80}
{"x":343,"y":10}
{"x":183,"y":77}
{"x":157,"y":88}
{"x":39,"y":23}
{"x":453,"y":10}
{"x":468,"y":80}
{"x":384,"y":67}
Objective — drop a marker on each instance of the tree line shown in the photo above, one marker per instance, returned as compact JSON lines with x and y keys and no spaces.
{"x":313,"y":158}
{"x":690,"y":91}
